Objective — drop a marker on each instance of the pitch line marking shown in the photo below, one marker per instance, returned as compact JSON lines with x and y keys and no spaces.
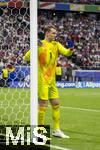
{"x":57,"y":147}
{"x":81,"y":109}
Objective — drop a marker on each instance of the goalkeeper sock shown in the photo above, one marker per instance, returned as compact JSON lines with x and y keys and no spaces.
{"x":56,"y":116}
{"x":41,"y":115}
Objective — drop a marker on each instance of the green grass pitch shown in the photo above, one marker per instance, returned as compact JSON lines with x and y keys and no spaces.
{"x":80,"y":115}
{"x":82,"y":125}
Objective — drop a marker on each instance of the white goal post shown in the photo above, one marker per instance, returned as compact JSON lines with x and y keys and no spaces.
{"x":33,"y":65}
{"x":18,"y":34}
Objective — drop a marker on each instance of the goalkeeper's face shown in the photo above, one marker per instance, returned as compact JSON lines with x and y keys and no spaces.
{"x":52,"y":34}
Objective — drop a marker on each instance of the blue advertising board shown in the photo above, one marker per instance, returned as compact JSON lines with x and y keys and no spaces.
{"x":26,"y":84}
{"x":64,"y":84}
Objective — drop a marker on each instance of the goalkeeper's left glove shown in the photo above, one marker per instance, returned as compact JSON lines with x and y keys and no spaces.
{"x":70,"y":44}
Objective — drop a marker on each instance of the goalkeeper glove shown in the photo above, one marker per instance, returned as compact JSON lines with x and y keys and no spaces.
{"x":70,"y":44}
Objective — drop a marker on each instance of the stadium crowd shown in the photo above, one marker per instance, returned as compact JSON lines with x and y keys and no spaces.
{"x":14,"y":35}
{"x":83,"y":29}
{"x":96,"y":2}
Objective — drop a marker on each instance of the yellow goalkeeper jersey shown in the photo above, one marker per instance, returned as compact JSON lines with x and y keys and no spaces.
{"x":47,"y":60}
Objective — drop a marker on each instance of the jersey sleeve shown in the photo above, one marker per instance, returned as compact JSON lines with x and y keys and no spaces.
{"x":27,"y":56}
{"x":64,"y":51}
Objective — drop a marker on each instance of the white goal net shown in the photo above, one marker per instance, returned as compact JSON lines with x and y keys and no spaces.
{"x":14,"y":72}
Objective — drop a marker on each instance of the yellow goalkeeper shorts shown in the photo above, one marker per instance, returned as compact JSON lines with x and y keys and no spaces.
{"x":47,"y":91}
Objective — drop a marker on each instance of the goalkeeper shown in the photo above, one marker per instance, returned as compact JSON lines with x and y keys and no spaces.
{"x":48,"y":52}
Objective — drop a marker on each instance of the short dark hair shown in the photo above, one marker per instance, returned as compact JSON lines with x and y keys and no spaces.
{"x":48,"y":28}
